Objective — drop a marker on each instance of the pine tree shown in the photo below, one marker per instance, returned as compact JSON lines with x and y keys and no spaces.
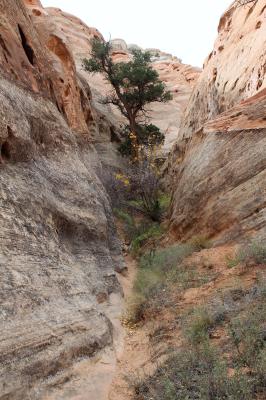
{"x":134,"y":85}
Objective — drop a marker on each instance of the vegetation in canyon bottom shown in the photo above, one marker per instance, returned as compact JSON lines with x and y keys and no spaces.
{"x":202,"y":368}
{"x":222,"y":355}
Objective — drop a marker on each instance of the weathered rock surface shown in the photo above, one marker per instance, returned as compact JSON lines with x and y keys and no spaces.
{"x":236,"y":68}
{"x":217,"y":166}
{"x":76,"y":36}
{"x":221,"y":177}
{"x":180,"y":80}
{"x":58,"y":248}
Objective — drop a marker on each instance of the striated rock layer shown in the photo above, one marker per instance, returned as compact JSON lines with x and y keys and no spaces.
{"x":217,"y":166}
{"x":180,"y":79}
{"x":76,"y":38}
{"x":60,"y":298}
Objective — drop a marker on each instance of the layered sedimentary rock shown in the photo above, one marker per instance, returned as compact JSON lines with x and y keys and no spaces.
{"x":217,"y":165}
{"x":76,"y":36}
{"x":59,"y":252}
{"x":236,"y":68}
{"x":180,"y":80}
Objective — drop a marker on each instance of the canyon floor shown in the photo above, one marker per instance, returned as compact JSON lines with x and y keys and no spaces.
{"x":66,"y":332}
{"x":145,"y":345}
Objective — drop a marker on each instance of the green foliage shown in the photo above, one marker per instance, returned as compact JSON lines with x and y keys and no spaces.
{"x":232,"y":262}
{"x":195,"y":373}
{"x":255,"y":252}
{"x":250,"y":254}
{"x":248,"y":334}
{"x":200,"y":370}
{"x":201,"y":242}
{"x":153,"y":231}
{"x":165,"y":201}
{"x":157,"y":272}
{"x":165,"y":260}
{"x":198,"y":326}
{"x":145,"y":188}
{"x":129,"y":225}
{"x":138,"y":234}
{"x":148,"y":136}
{"x":135,"y":84}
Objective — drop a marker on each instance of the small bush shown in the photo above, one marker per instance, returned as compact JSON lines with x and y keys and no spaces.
{"x":200,"y":242}
{"x":195,"y":374}
{"x":232,"y":262}
{"x":129,"y":226}
{"x":197,"y":326}
{"x":201,"y":370}
{"x":145,"y":188}
{"x":146,"y":232}
{"x":248,"y":333}
{"x":117,"y":186}
{"x":253,"y":253}
{"x":158,"y":270}
{"x":167,"y":259}
{"x":165,"y":201}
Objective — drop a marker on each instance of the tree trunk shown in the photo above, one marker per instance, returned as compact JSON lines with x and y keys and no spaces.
{"x":134,"y":138}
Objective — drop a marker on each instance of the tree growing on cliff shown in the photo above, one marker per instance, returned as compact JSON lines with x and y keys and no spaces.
{"x":134,"y":85}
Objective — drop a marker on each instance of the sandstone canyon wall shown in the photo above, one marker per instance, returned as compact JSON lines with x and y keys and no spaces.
{"x":60,"y":297}
{"x":217,"y":166}
{"x":59,"y":251}
{"x":76,"y":37}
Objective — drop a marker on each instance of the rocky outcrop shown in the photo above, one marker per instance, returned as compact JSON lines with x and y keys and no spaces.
{"x":105,"y":126}
{"x":60,"y":298}
{"x":217,"y":166}
{"x":221,"y":177}
{"x":76,"y":36}
{"x":236,"y":68}
{"x":180,"y":80}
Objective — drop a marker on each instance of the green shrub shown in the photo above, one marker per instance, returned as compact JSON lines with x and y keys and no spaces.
{"x":200,"y":242}
{"x":165,"y":201}
{"x":232,"y":262}
{"x":129,"y":226}
{"x":201,"y":370}
{"x":255,"y":252}
{"x":144,"y":234}
{"x":153,"y":279}
{"x":167,"y":259}
{"x":195,"y":374}
{"x":197,"y":326}
{"x":248,"y":333}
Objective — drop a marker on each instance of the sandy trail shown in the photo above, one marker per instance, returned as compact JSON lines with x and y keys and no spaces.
{"x":135,"y":354}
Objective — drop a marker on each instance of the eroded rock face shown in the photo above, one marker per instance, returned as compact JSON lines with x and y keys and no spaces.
{"x":59,"y":251}
{"x":221,"y":177}
{"x":179,"y":78}
{"x":236,"y":68}
{"x":217,"y":166}
{"x":76,"y":37}
{"x":56,"y":66}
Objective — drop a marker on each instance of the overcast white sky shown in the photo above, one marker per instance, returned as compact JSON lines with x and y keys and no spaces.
{"x":185,"y":28}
